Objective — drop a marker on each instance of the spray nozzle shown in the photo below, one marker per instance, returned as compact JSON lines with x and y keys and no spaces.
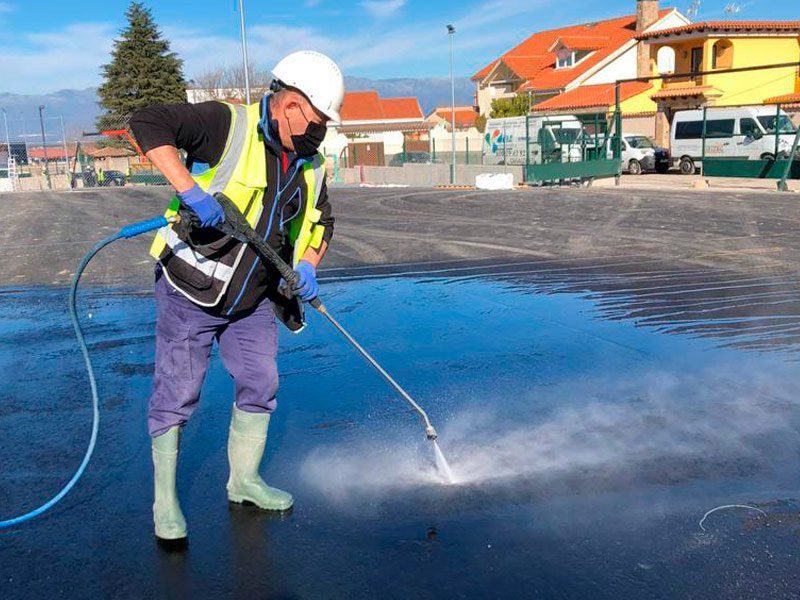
{"x":431,"y":432}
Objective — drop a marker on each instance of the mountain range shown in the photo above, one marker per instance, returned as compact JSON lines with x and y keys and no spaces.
{"x":79,"y":108}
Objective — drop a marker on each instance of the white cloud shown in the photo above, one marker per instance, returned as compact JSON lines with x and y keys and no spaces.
{"x":382,"y":8}
{"x":70,"y":58}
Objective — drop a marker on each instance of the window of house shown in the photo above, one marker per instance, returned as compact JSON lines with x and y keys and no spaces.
{"x":566,"y":58}
{"x":722,"y":55}
{"x":697,"y":59}
{"x":665,"y":59}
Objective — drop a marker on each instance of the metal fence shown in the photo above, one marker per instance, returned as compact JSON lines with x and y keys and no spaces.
{"x":37,"y":155}
{"x":775,"y":157}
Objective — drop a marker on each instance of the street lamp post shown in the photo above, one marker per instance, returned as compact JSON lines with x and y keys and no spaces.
{"x":245,"y":59}
{"x":451,"y":31}
{"x":8,"y":139}
{"x":44,"y":148}
{"x":66,"y":152}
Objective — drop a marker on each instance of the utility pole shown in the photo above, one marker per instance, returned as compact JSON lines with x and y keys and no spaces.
{"x":44,"y":148}
{"x":245,"y":59}
{"x":66,"y":155}
{"x":8,"y":139}
{"x":451,"y":31}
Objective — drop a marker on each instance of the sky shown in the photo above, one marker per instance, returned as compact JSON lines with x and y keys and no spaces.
{"x":50,"y":45}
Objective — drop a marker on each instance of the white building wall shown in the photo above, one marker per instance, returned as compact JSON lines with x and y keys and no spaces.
{"x":335,"y":142}
{"x":623,"y":67}
{"x":673,"y":19}
{"x":444,"y":139}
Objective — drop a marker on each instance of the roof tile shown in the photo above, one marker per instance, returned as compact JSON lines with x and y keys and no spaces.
{"x":465,"y":115}
{"x":401,"y":108}
{"x":728,"y":26}
{"x":592,"y":96}
{"x":369,"y":106}
{"x":605,"y":37}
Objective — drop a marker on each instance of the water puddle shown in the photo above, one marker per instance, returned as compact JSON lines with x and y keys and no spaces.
{"x":589,"y":416}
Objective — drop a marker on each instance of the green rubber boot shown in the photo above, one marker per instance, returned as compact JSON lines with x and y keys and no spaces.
{"x":246,"y":441}
{"x":167,"y":515}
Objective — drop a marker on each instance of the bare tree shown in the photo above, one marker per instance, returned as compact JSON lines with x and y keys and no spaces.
{"x":227,"y":82}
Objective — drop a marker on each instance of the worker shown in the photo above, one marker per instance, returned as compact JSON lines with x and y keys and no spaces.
{"x":101,"y":177}
{"x":265,"y":158}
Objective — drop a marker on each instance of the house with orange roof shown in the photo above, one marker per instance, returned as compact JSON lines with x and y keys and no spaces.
{"x":551,"y":64}
{"x":465,"y":117}
{"x":702,"y":55}
{"x":367,"y":113}
{"x":394,"y":123}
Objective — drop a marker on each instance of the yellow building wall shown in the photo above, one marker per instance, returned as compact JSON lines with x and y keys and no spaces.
{"x":749,"y":87}
{"x":641,"y":103}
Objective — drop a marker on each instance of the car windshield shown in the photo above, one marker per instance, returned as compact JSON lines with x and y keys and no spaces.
{"x":564,"y":135}
{"x":639,"y":141}
{"x":784,"y":124}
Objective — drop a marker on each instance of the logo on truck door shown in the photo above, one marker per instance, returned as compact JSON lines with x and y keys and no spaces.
{"x":494,"y":139}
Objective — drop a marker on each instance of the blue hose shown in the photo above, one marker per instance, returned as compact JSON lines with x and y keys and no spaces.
{"x":128,"y":231}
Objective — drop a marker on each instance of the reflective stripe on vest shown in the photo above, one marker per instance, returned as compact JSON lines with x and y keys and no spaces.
{"x":241,"y":174}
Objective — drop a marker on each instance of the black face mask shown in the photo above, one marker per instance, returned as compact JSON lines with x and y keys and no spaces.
{"x":308,"y":143}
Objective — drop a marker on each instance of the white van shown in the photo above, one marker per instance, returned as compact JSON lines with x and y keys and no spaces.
{"x":504,"y":141}
{"x":640,"y":154}
{"x":741,"y":132}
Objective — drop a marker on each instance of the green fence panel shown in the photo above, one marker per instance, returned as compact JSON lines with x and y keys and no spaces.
{"x":586,"y":169}
{"x":742,"y":167}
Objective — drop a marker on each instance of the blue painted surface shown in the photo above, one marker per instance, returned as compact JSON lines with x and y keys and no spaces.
{"x":588,"y":446}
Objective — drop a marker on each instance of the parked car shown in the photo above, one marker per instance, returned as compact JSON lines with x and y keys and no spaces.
{"x":740,"y":132}
{"x":113,"y":179}
{"x":91,"y":178}
{"x":418,"y":158}
{"x":640,"y":154}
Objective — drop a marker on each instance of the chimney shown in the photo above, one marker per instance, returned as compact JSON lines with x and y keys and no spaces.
{"x":646,"y":14}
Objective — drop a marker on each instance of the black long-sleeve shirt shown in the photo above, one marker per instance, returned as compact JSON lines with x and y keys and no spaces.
{"x":201,"y":130}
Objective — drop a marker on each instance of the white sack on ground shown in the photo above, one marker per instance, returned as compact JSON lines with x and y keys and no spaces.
{"x":494,"y":181}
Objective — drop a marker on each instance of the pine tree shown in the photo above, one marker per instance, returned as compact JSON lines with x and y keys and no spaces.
{"x":142,"y":71}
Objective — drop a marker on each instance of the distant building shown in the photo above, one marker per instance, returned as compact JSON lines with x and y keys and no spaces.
{"x":394,"y":124}
{"x":367,"y":112}
{"x":555,"y":62}
{"x":465,"y":117}
{"x":716,"y":46}
{"x":195,"y":95}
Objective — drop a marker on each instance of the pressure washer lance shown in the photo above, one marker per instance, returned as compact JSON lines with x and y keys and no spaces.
{"x":237,"y":227}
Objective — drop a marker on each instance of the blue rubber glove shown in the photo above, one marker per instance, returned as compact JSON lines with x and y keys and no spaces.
{"x":307,"y":287}
{"x":203,"y":204}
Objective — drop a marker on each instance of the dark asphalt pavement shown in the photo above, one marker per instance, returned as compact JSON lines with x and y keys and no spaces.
{"x":603,"y":367}
{"x":45,"y":234}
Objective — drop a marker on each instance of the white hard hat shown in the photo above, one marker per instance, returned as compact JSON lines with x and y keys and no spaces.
{"x":317,"y":76}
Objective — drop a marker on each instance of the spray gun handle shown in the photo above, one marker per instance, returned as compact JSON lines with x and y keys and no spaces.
{"x":236,"y":225}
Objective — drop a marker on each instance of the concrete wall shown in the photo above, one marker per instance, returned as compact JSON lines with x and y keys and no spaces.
{"x":423,"y":175}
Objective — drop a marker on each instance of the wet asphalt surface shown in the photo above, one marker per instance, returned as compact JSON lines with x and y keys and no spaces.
{"x":603,"y":369}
